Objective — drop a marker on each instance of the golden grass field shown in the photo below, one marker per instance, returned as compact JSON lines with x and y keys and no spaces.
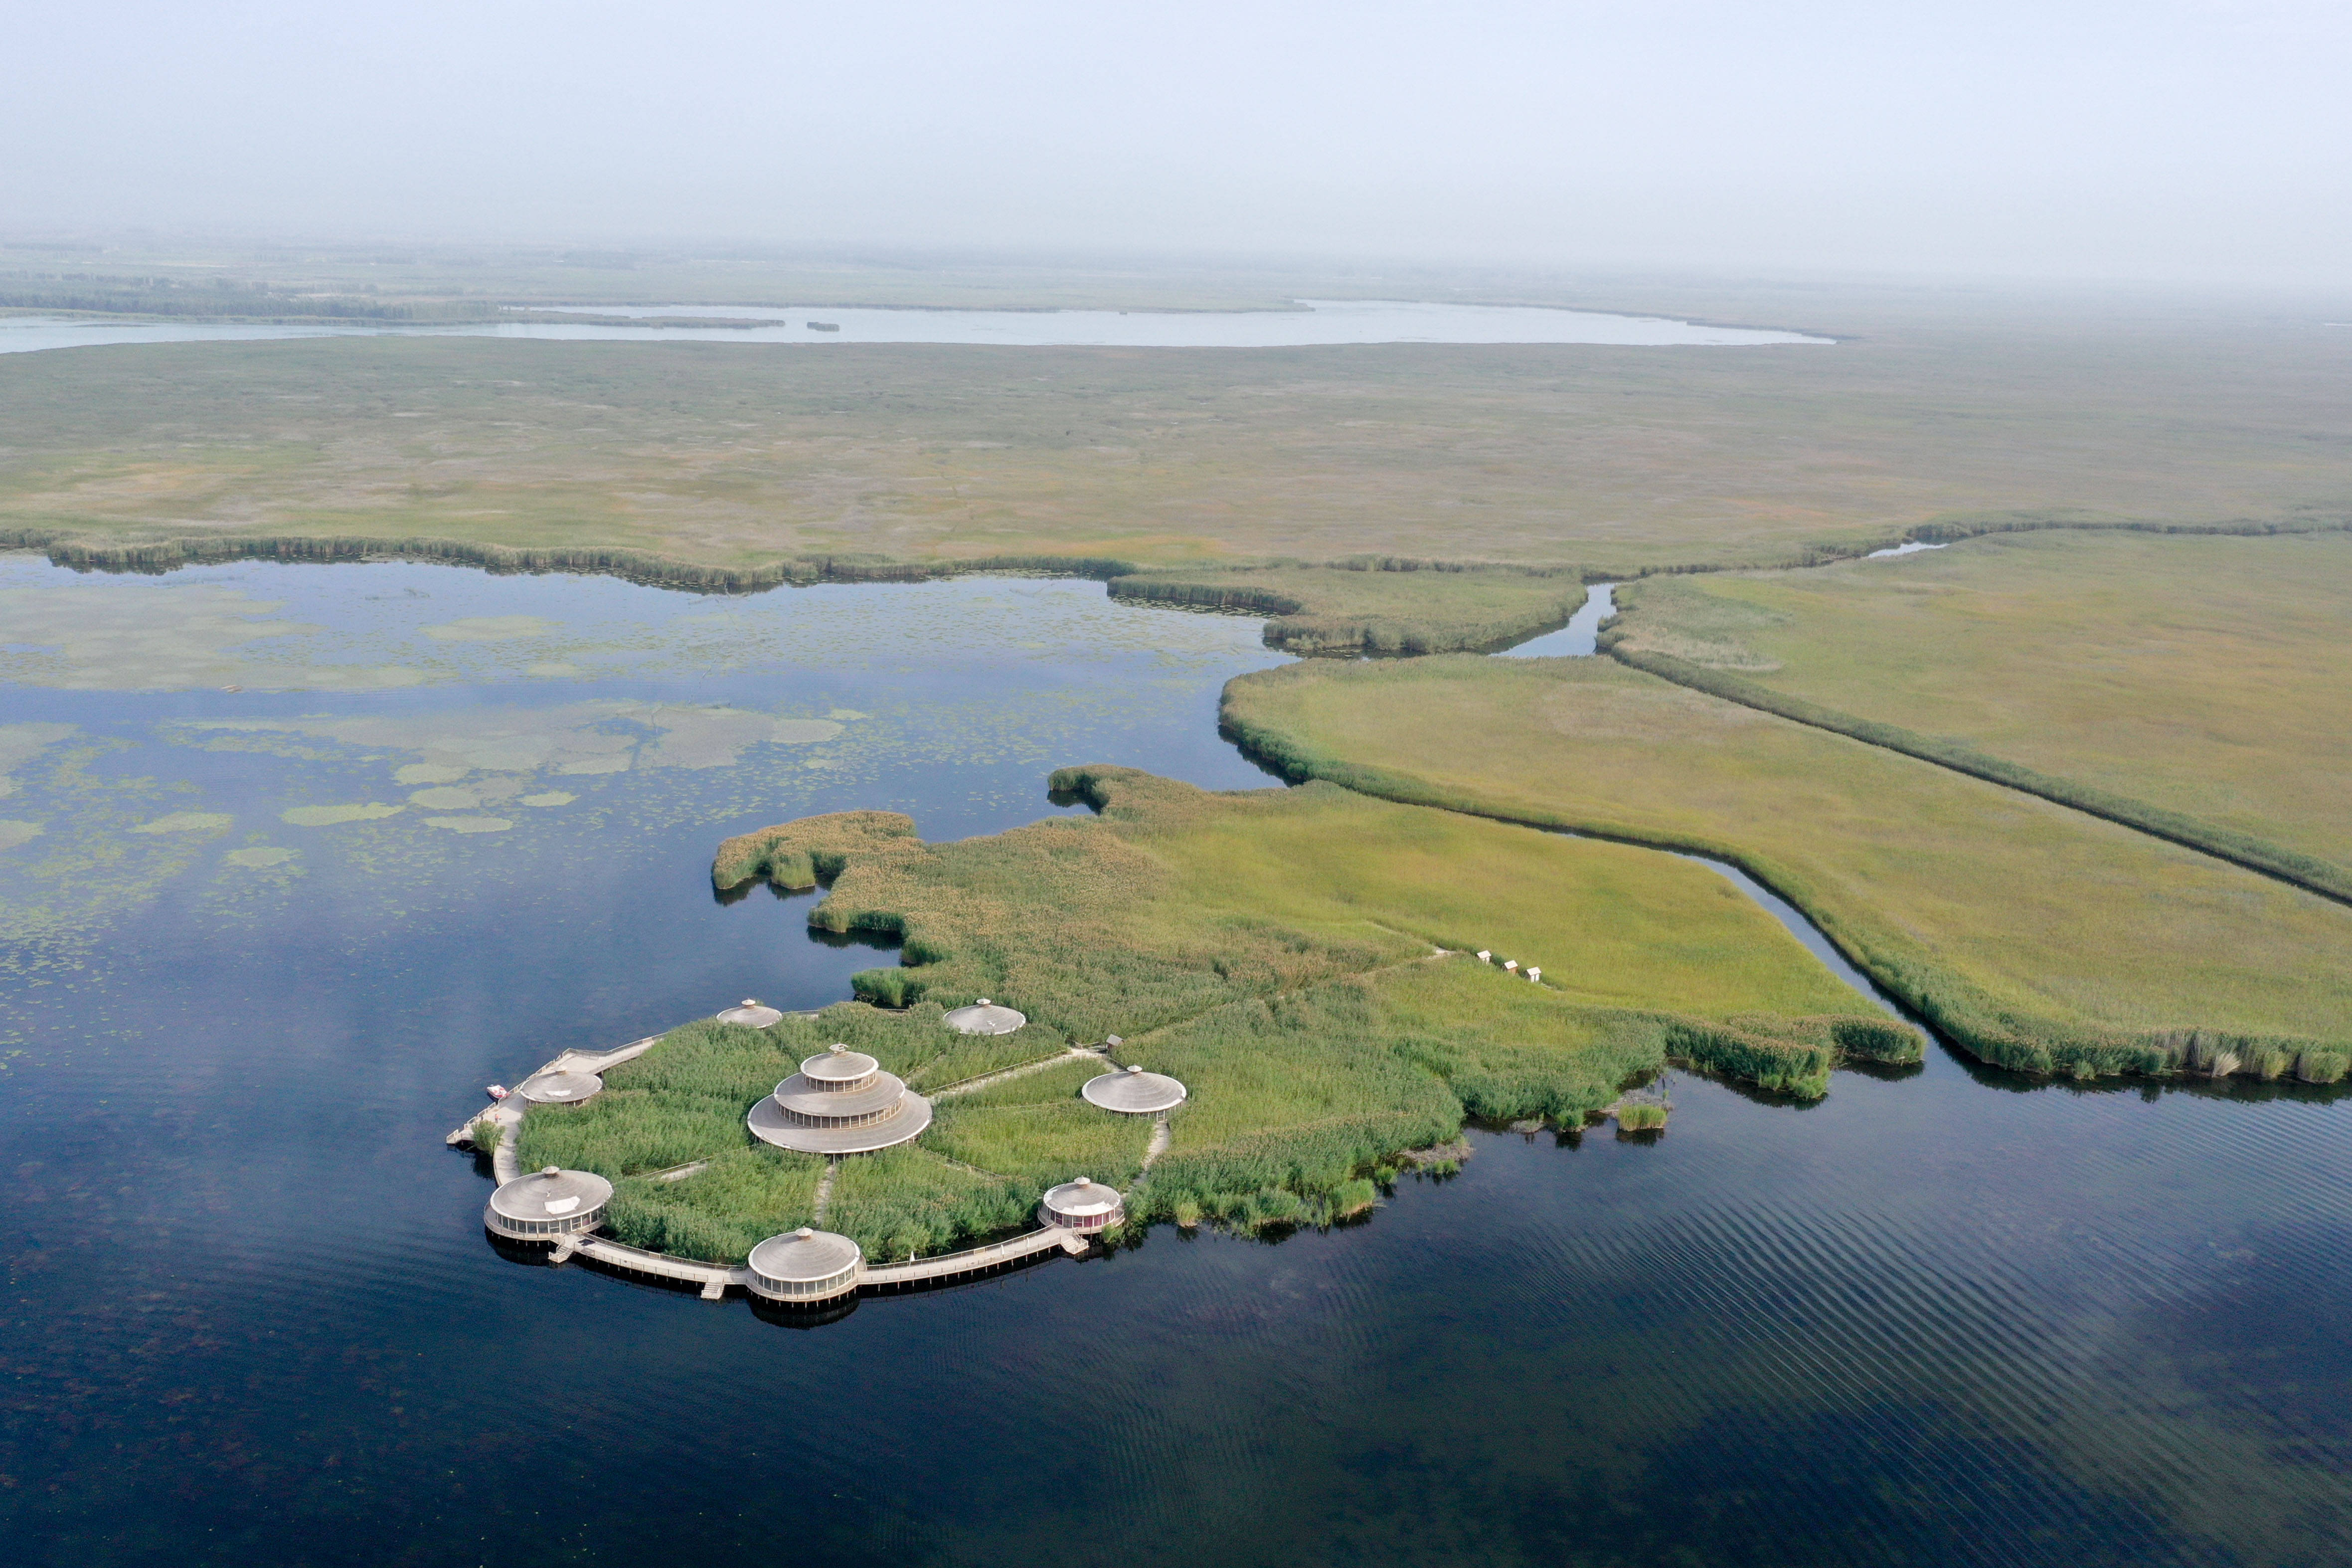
{"x":1606,"y":458}
{"x":2035,"y":934}
{"x":2207,"y":676}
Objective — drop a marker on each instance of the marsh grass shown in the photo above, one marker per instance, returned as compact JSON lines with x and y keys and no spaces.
{"x":717,"y":1214}
{"x":2193,"y":686}
{"x":2035,"y":937}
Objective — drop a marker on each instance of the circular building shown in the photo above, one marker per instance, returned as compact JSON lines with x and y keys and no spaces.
{"x":840,"y":1102}
{"x":1134,"y":1092}
{"x":1084,"y":1205}
{"x":805,"y":1266}
{"x":547,"y":1204}
{"x":560,"y":1088}
{"x":985,"y":1017}
{"x":751,"y":1015}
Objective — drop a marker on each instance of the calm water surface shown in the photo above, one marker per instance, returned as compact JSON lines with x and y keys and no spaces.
{"x":1320,"y":322}
{"x":1942,"y":1317}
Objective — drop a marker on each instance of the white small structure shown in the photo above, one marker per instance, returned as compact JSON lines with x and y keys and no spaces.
{"x":751,"y":1015}
{"x":560,"y":1088}
{"x":1085,"y":1205}
{"x":1133,"y":1092}
{"x":985,"y":1017}
{"x":803,"y":1266}
{"x":547,"y":1204}
{"x":1484,"y":957}
{"x":1534,"y":974}
{"x":1509,"y":965}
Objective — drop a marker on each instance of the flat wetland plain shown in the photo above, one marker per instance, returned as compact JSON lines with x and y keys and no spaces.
{"x":2207,"y":676}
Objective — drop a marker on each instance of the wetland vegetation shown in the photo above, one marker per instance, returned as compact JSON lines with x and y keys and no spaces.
{"x":2035,"y":936}
{"x":1300,"y":958}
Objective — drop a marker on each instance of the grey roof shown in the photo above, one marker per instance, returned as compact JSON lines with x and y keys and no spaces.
{"x":839,"y":1065}
{"x":769,"y":1124}
{"x":560,"y":1088}
{"x":751,"y":1015}
{"x":1134,"y":1092}
{"x":804,"y":1256}
{"x":551,"y":1193}
{"x":1082,"y":1197}
{"x":985,"y":1017}
{"x":797,"y":1093}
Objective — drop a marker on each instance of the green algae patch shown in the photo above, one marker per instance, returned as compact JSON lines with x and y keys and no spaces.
{"x":188,"y":822}
{"x":469,"y":824}
{"x":546,"y":798}
{"x":260,"y":858}
{"x":329,"y":816}
{"x":429,"y":773}
{"x":492,"y":628}
{"x":13,"y":834}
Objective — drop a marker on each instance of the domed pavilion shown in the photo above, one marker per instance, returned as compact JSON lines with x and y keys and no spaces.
{"x":560,"y":1088}
{"x":985,"y":1017}
{"x":840,"y":1102}
{"x":1085,"y":1205}
{"x":1134,"y":1092}
{"x":547,"y":1204}
{"x":803,"y":1266}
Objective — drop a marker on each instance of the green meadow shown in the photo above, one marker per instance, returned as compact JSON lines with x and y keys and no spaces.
{"x":2035,"y":936}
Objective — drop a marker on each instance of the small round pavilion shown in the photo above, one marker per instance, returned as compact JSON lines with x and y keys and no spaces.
{"x":1085,"y":1205}
{"x":840,"y":1102}
{"x":805,"y":1266}
{"x":985,"y":1017}
{"x":560,"y":1088}
{"x":547,"y":1204}
{"x":750,"y":1014}
{"x":1134,"y":1092}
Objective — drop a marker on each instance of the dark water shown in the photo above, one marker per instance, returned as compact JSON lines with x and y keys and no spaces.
{"x":249,"y":1314}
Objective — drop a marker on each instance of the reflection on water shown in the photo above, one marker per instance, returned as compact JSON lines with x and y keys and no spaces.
{"x":1319,"y":321}
{"x":1949,"y":1318}
{"x":1579,"y":637}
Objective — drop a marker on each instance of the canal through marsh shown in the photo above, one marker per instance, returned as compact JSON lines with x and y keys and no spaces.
{"x":264,"y":944}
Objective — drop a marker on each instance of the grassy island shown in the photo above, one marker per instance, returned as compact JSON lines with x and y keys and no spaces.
{"x":1302,"y":960}
{"x":2036,"y":936}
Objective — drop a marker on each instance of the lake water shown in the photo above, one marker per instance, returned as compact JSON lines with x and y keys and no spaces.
{"x":1319,"y":321}
{"x":1945,"y":1316}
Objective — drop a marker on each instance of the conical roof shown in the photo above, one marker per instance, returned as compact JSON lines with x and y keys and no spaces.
{"x":1134,"y":1092}
{"x":985,"y":1017}
{"x":838,"y":1064}
{"x":751,"y":1015}
{"x":560,"y":1088}
{"x":1082,"y":1198}
{"x":551,"y":1193}
{"x":803,"y":1257}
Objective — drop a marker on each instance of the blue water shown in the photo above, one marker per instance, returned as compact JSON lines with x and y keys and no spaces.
{"x":1578,"y":638}
{"x":1943,"y":1317}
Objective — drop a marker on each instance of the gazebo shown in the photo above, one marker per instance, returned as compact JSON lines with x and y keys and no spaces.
{"x":985,"y":1017}
{"x":805,"y":1266}
{"x":547,"y":1204}
{"x":1085,"y":1205}
{"x":840,"y":1102}
{"x":751,"y":1015}
{"x":1134,"y":1092}
{"x":560,"y":1088}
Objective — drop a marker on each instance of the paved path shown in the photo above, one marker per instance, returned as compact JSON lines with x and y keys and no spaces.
{"x":1076,"y":1053}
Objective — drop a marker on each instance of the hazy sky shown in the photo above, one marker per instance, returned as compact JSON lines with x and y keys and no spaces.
{"x":2165,"y":138}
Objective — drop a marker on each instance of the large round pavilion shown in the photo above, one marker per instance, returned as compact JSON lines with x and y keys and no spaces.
{"x":750,"y":1013}
{"x":840,"y":1102}
{"x":1134,"y":1092}
{"x":985,"y":1017}
{"x":805,"y":1266}
{"x":1084,"y":1205}
{"x":560,"y":1088}
{"x":547,"y":1204}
